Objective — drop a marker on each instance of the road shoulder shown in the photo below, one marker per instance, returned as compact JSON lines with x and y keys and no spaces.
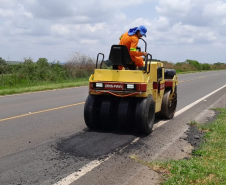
{"x":181,"y":148}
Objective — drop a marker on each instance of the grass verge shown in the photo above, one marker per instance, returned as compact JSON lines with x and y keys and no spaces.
{"x":208,"y":164}
{"x":42,"y":86}
{"x":186,"y":72}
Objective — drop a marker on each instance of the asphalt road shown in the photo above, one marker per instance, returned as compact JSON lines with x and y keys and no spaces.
{"x":43,"y":137}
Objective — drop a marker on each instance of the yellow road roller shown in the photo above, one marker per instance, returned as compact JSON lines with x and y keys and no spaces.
{"x":129,"y":99}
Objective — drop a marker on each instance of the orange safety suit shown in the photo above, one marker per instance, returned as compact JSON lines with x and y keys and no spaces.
{"x":131,"y":43}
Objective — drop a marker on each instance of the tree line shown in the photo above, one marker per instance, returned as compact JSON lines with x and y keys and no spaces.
{"x":78,"y":66}
{"x":30,"y":72}
{"x":194,"y":65}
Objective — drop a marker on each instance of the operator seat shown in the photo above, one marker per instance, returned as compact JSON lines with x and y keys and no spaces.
{"x":119,"y":56}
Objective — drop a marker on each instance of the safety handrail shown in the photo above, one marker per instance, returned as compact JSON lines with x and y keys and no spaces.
{"x":145,"y":44}
{"x":146,"y":58}
{"x":149,"y":70}
{"x":98,"y":59}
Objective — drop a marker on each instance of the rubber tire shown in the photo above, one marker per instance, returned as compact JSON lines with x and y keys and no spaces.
{"x":170,"y":73}
{"x":145,"y":115}
{"x":107,"y":112}
{"x":126,"y":114}
{"x":92,"y":111}
{"x":167,"y":110}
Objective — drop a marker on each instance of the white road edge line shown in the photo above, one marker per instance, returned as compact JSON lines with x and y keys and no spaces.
{"x":159,"y":124}
{"x":197,"y":101}
{"x":93,"y":164}
{"x":82,"y":171}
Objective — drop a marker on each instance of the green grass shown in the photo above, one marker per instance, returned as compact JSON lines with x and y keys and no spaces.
{"x":186,"y":72}
{"x":208,"y":164}
{"x":42,"y":86}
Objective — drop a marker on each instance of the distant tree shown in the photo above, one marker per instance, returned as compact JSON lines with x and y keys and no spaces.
{"x":2,"y":61}
{"x":2,"y":65}
{"x":194,"y":63}
{"x":205,"y":66}
{"x":156,"y":60}
{"x":218,"y":64}
{"x":108,"y":63}
{"x":28,"y":61}
{"x":42,"y":62}
{"x":179,"y":64}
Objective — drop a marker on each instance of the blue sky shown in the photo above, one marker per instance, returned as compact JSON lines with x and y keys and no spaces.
{"x":56,"y":29}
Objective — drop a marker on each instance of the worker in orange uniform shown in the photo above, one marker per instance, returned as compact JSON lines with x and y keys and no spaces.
{"x":130,"y":39}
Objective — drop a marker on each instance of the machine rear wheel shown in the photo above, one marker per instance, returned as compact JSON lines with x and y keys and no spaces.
{"x":92,"y":111}
{"x":145,"y":115}
{"x":168,"y":105}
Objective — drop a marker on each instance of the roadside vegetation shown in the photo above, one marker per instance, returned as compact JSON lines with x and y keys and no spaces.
{"x":207,"y":164}
{"x":41,"y":75}
{"x":193,"y":66}
{"x":29,"y":75}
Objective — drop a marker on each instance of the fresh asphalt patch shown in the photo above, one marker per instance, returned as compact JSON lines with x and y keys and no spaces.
{"x":93,"y":145}
{"x":212,"y":118}
{"x":98,"y":144}
{"x":194,"y":136}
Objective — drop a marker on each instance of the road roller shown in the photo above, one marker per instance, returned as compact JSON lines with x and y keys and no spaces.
{"x":131,"y":98}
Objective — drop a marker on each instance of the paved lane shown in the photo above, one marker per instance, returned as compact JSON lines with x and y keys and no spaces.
{"x":196,"y":85}
{"x":15,"y":105}
{"x":32,"y":148}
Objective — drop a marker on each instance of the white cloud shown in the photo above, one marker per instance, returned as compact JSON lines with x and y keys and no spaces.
{"x":119,"y":16}
{"x":88,"y":41}
{"x":56,"y":28}
{"x":7,"y":3}
{"x":174,"y":7}
{"x":6,"y":13}
{"x":95,"y":28}
{"x":217,"y":8}
{"x":60,"y":30}
{"x":70,"y":30}
{"x":162,"y":23}
{"x":120,"y":3}
{"x":223,"y":21}
{"x":24,"y":12}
